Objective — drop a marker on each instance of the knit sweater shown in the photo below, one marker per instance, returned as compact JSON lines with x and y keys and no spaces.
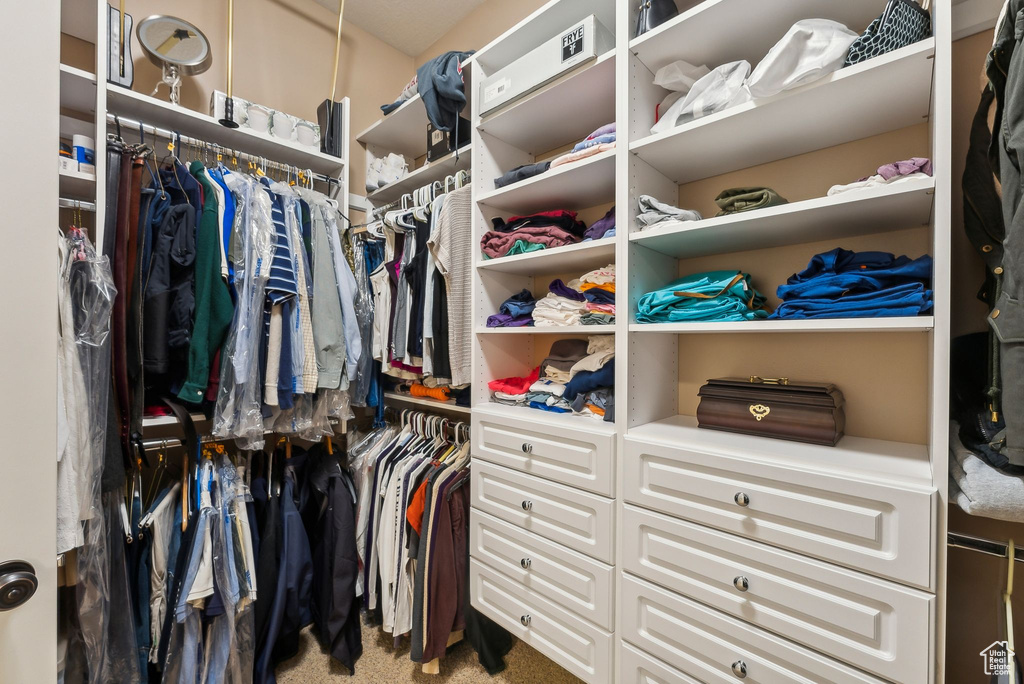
{"x":452,"y":247}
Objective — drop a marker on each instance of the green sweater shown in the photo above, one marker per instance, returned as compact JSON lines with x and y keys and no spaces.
{"x":213,"y":308}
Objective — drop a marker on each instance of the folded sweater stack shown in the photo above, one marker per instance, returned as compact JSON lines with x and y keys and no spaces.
{"x":577,"y":376}
{"x":522,"y":234}
{"x":588,"y":300}
{"x":844,"y":284}
{"x":601,"y":140}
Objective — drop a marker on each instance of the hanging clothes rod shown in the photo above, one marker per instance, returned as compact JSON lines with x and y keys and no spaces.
{"x":135,"y":125}
{"x":981,"y":545}
{"x":65,"y":203}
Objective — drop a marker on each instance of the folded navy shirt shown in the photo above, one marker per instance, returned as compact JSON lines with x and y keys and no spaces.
{"x":562,"y":290}
{"x":521,"y":173}
{"x":519,"y":304}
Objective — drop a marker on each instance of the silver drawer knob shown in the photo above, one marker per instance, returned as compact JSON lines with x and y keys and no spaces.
{"x":741,"y":499}
{"x":527,"y":505}
{"x":525,"y":620}
{"x":739,"y":668}
{"x":741,"y":583}
{"x":527,"y":448}
{"x":526,"y":563}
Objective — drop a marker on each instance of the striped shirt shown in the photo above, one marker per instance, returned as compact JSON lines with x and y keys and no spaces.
{"x":283,"y":284}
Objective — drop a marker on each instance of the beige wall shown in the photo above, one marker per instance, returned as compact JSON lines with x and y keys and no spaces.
{"x":975,"y":581}
{"x":481,"y":26}
{"x":284,"y":51}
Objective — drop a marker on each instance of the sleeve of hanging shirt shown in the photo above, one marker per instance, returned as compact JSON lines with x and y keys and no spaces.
{"x":328,"y":332}
{"x":213,"y":309}
{"x":347,"y":292}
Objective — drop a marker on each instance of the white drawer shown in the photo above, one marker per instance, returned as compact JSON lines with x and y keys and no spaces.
{"x":876,"y":528}
{"x":871,"y":623}
{"x":570,"y":579}
{"x":577,"y":645}
{"x":578,"y":458}
{"x":716,"y":648}
{"x":637,"y":667}
{"x":579,"y":520}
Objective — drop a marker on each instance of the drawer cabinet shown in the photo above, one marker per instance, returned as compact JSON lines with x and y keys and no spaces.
{"x":577,"y":645}
{"x":637,"y":667}
{"x":715,"y":648}
{"x":570,"y":579}
{"x":579,"y":458}
{"x":579,"y":520}
{"x":871,"y":623}
{"x":872,"y":527}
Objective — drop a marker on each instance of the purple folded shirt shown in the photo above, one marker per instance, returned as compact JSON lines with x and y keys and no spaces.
{"x":501,"y":320}
{"x":601,"y":226}
{"x":603,"y":130}
{"x":903,"y":168}
{"x":562,"y":290}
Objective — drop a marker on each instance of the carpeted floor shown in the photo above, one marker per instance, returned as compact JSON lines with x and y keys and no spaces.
{"x":383,"y":664}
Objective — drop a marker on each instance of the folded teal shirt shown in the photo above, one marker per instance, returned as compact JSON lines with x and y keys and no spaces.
{"x":711,"y":296}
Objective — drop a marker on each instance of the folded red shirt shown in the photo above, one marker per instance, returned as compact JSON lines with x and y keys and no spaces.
{"x":514,"y":385}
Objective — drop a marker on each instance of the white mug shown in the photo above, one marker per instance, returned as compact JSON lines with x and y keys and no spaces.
{"x":306,"y":133}
{"x":259,"y":118}
{"x":283,"y":126}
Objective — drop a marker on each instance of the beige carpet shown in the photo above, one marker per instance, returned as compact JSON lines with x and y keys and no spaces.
{"x":383,"y":664}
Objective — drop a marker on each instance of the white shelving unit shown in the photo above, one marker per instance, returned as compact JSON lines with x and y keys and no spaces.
{"x":404,"y":131}
{"x":805,"y":501}
{"x":430,"y":404}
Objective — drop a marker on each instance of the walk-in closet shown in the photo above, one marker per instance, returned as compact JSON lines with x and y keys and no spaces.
{"x":344,"y":388}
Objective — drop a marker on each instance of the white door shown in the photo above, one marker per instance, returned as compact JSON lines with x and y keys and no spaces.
{"x":29,"y":131}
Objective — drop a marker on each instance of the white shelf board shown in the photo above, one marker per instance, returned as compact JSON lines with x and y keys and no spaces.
{"x":187,"y":122}
{"x":561,"y":113}
{"x":709,"y":32}
{"x":78,"y":185}
{"x":807,"y":325}
{"x":425,"y":175}
{"x":541,"y":417}
{"x":906,"y":204}
{"x":78,"y":19}
{"x":403,"y":131}
{"x":77,"y":89}
{"x":163,"y":421}
{"x":586,"y":183}
{"x":582,"y":257}
{"x":550,"y":330}
{"x":874,"y":460}
{"x":541,"y":26}
{"x":880,"y":95}
{"x":421,"y":401}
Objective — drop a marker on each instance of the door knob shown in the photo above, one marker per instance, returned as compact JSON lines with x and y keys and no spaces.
{"x":18,"y":583}
{"x":527,"y":448}
{"x":527,"y":505}
{"x":741,"y":499}
{"x":741,"y":583}
{"x":739,"y":668}
{"x":526,"y":563}
{"x":525,"y":620}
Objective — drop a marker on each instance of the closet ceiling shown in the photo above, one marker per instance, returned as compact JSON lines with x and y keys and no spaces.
{"x":411,"y":26}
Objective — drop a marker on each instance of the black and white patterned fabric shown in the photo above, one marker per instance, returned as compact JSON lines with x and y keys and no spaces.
{"x":903,"y":23}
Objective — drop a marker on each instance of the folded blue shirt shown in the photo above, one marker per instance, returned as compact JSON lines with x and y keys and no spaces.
{"x":518,"y":304}
{"x":909,"y":299}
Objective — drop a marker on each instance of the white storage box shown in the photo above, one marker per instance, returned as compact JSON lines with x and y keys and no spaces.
{"x":568,"y":49}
